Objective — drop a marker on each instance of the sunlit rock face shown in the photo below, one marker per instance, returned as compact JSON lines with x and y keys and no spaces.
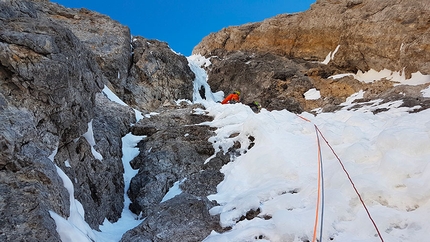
{"x":278,"y":60}
{"x":371,"y":34}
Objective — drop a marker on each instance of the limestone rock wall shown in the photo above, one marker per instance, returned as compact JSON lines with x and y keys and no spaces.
{"x":48,"y":85}
{"x":54,"y":63}
{"x":158,"y":76}
{"x":372,"y":34}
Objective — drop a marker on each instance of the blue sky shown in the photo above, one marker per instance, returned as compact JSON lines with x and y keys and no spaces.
{"x":183,"y":24}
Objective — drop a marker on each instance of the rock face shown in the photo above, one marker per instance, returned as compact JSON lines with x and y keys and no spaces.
{"x":48,"y":96}
{"x":54,"y":62}
{"x":107,"y":39}
{"x":275,"y":62}
{"x":174,"y":149}
{"x":274,"y":81}
{"x":277,"y":83}
{"x":158,"y":76}
{"x":370,"y":34}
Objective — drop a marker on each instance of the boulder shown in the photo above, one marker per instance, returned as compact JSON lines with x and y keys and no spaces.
{"x":184,"y":218}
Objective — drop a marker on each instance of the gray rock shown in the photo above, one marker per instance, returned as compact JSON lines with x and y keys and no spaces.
{"x":107,"y":39}
{"x":29,"y":184}
{"x":158,"y":76}
{"x":48,"y":85}
{"x":275,"y":82}
{"x":99,"y":184}
{"x":184,"y":218}
{"x":177,"y":150}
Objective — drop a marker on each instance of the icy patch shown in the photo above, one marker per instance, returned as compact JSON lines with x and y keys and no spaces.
{"x":372,"y":76}
{"x":338,"y":76}
{"x":89,"y":136}
{"x":151,"y":114}
{"x":312,"y":94}
{"x":173,"y":191}
{"x":74,"y":228}
{"x":138,"y":115}
{"x":199,"y":60}
{"x":352,"y":98}
{"x":426,"y":92}
{"x":200,"y":82}
{"x":179,"y":101}
{"x":396,"y":76}
{"x":199,"y":111}
{"x":175,"y":51}
{"x":54,"y":153}
{"x":417,"y":78}
{"x":330,"y":56}
{"x":111,"y":96}
{"x":112,"y":232}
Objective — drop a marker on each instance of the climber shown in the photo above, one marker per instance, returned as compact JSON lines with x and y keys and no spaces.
{"x":232,"y":98}
{"x":255,"y":106}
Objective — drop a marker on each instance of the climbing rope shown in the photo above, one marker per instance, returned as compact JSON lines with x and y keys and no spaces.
{"x":352,"y":183}
{"x":320,"y":190}
{"x":321,"y":185}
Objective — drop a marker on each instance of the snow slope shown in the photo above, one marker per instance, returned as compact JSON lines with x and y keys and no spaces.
{"x":386,"y":155}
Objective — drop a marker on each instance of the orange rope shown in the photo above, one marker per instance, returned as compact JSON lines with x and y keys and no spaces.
{"x":352,"y":183}
{"x":319,"y":180}
{"x":318,"y":131}
{"x":319,"y":187}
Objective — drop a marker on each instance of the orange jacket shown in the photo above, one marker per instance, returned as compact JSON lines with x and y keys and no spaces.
{"x":231,"y":97}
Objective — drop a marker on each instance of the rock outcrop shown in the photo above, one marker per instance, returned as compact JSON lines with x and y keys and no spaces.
{"x":158,"y":76}
{"x":49,"y":82}
{"x":185,"y":218}
{"x":371,"y":34}
{"x":280,"y":83}
{"x":54,"y":63}
{"x":278,"y":60}
{"x":174,"y":151}
{"x":107,"y":39}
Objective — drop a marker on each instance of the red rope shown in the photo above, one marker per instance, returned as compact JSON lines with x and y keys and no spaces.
{"x":347,"y":174}
{"x":352,"y":183}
